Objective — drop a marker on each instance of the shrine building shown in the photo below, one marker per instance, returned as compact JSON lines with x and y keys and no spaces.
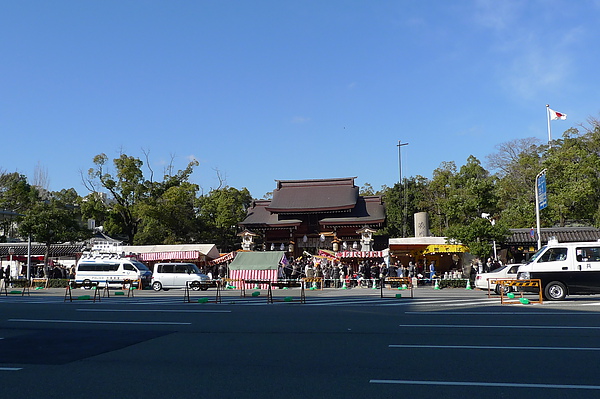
{"x":316,"y":215}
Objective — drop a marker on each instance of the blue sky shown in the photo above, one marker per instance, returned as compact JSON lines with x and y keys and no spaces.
{"x":276,"y":90}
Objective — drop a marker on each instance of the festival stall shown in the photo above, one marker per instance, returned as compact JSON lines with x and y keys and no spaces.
{"x":256,"y":266}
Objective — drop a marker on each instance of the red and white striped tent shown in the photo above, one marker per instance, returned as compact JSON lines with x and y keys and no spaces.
{"x":256,"y":266}
{"x":181,"y":252}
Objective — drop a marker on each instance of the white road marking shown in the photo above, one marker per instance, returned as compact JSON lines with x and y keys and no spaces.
{"x":10,"y":368}
{"x":500,"y":327}
{"x":156,"y":310}
{"x":152,"y":323}
{"x":486,"y":384}
{"x":495,"y":347}
{"x":494,"y":313}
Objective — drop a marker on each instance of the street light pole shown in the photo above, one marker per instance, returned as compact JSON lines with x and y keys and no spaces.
{"x":493,"y":222}
{"x":402,"y":200}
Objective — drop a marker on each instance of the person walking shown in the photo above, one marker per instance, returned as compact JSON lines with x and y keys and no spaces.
{"x":431,"y":270}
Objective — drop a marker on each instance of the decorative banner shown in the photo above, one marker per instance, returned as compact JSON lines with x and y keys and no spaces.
{"x":359,"y":254}
{"x":541,"y":187}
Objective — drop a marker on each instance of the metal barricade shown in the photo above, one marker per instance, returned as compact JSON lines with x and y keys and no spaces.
{"x":198,"y":285}
{"x":531,"y":283}
{"x":403,"y":283}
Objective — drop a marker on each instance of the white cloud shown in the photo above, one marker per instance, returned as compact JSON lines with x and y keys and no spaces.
{"x":530,"y":54}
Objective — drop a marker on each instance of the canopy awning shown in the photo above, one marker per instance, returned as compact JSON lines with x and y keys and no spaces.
{"x":177,"y":255}
{"x":257,"y":260}
{"x":448,"y":248}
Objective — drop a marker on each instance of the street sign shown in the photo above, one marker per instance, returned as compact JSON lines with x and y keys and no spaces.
{"x":541,"y":188}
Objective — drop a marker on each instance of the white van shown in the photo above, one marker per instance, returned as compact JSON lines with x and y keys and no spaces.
{"x":176,"y":275}
{"x":565,"y":269}
{"x":113,"y":269}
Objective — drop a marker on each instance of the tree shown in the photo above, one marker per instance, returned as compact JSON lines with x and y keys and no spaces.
{"x":478,"y":235}
{"x":219,"y":213}
{"x":54,"y":221}
{"x":401,"y":203}
{"x":128,"y":188}
{"x":143,"y":210}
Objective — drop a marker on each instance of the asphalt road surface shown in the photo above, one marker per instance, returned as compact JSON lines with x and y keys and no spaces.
{"x":450,"y":343}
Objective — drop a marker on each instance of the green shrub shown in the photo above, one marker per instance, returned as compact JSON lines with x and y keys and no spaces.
{"x":453,"y":283}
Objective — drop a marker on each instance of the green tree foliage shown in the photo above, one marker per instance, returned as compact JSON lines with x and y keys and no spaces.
{"x":55,"y":220}
{"x":142,"y":210}
{"x":517,"y":162}
{"x":479,"y":235}
{"x":401,"y":203}
{"x":220,"y":211}
{"x":16,"y":194}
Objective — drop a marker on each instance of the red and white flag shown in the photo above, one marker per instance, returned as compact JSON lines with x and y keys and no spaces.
{"x":554,"y":115}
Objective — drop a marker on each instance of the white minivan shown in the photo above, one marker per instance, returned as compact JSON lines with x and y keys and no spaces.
{"x":177,"y":275}
{"x":565,"y":269}
{"x":112,"y":269}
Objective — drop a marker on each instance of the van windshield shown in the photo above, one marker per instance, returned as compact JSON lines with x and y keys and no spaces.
{"x":194,"y":268}
{"x":536,"y":255}
{"x":140,"y":266}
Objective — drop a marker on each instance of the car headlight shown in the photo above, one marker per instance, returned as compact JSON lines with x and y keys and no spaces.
{"x":523,"y":276}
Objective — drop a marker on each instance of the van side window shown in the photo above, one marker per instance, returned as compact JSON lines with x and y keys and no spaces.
{"x":180,"y":269}
{"x":588,"y":254}
{"x":127,"y":266}
{"x":165,"y":269}
{"x":554,"y":254}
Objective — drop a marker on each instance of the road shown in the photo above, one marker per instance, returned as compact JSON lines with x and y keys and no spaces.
{"x":450,"y":343}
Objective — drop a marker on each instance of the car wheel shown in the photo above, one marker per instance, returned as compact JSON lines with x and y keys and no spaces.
{"x":195,"y":288}
{"x":555,"y":291}
{"x":156,"y":286}
{"x":87,"y":284}
{"x":499,"y":288}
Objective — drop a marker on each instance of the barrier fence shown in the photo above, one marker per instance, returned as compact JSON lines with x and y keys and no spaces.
{"x":400,"y":283}
{"x":202,"y":285}
{"x":522,"y":284}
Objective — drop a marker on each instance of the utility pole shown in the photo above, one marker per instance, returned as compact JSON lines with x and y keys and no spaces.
{"x":403,"y":200}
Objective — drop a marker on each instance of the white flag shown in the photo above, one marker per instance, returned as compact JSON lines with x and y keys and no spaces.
{"x":557,"y":115}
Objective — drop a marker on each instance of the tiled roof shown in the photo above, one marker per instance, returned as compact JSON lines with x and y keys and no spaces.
{"x":313,"y":195}
{"x":562,"y":234}
{"x":20,"y":249}
{"x":258,"y":215}
{"x":368,"y":210}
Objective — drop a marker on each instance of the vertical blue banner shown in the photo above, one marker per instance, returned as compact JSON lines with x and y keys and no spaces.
{"x":541,"y":187}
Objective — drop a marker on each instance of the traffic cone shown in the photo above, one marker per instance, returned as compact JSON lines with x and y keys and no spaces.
{"x":437,"y":286}
{"x":374,"y":287}
{"x":256,"y":287}
{"x":344,"y":285}
{"x":469,"y":285}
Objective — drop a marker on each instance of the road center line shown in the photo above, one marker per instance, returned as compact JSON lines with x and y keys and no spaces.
{"x":495,"y":347}
{"x":151,"y":323}
{"x":10,"y":368}
{"x":500,"y":327}
{"x":156,"y":310}
{"x":486,"y":384}
{"x":492,"y":313}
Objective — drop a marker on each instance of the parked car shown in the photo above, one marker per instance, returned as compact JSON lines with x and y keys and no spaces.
{"x":177,"y":275}
{"x":569,"y":268}
{"x":503,"y":272}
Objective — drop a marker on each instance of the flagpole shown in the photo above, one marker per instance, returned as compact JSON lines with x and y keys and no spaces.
{"x":549,"y":130}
